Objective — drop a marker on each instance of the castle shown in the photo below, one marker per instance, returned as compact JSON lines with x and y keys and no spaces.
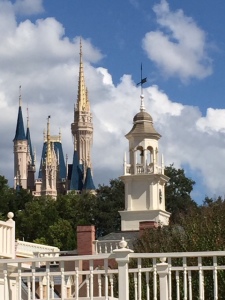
{"x":143,"y":176}
{"x":56,"y":176}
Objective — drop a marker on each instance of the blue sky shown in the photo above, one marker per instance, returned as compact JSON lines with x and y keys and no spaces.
{"x":181,"y":45}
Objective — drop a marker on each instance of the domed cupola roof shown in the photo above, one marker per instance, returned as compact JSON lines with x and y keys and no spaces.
{"x":142,"y":116}
{"x":143,"y":125}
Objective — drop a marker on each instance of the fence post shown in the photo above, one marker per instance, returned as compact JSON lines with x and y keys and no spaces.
{"x":11,"y":238}
{"x":122,"y":258}
{"x":162,"y":270}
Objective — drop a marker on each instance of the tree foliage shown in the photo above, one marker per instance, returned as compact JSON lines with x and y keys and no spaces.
{"x":201,"y":229}
{"x":54,"y":221}
{"x":178,"y":192}
{"x":11,"y":200}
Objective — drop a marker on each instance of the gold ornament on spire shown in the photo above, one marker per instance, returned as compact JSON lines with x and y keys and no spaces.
{"x":82,"y":97}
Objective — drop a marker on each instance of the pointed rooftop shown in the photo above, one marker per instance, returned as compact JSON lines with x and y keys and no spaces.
{"x":29,"y":140}
{"x":76,"y":182}
{"x":82,"y":96}
{"x":20,"y":133}
{"x":89,"y":183}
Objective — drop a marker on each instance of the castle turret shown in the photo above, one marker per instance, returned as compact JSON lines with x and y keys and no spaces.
{"x":143,"y":176}
{"x":31,"y":169}
{"x":20,"y":150}
{"x":47,"y":186}
{"x":82,"y":131}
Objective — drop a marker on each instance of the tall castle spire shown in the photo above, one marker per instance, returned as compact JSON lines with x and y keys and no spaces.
{"x":20,"y":150}
{"x":82,"y":131}
{"x":20,"y":132}
{"x":82,"y":95}
{"x":30,"y":158}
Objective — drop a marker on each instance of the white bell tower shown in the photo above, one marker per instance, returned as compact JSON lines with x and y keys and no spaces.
{"x":143,"y":176}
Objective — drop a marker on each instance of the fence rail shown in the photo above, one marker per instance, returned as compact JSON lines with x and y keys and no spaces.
{"x":119,"y":275}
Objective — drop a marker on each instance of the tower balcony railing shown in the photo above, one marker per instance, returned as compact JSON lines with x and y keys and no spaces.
{"x":120,"y":275}
{"x":143,"y":169}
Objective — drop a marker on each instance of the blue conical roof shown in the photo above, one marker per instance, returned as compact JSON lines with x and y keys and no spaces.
{"x":76,"y":182}
{"x":89,"y":184}
{"x":62,"y":166}
{"x":30,"y":145}
{"x":20,"y":133}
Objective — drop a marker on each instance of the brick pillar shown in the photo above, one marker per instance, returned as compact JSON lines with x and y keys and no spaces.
{"x":146,"y":225}
{"x":85,"y":239}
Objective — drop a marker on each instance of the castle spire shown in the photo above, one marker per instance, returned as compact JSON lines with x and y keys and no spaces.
{"x":30,"y":150}
{"x":82,"y":96}
{"x":20,"y":133}
{"x":49,"y":150}
{"x":82,"y":131}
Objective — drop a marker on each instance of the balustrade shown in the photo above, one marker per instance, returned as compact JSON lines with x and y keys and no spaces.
{"x":119,"y":275}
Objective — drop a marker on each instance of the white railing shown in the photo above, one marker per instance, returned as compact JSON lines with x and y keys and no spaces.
{"x":106,"y":246}
{"x":143,"y":169}
{"x":7,"y":237}
{"x":121,"y":274}
{"x":26,"y":249}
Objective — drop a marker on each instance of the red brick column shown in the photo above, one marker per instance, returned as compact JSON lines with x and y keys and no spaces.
{"x":85,"y":239}
{"x":146,"y":225}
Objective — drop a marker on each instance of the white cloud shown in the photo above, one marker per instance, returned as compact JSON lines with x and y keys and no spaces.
{"x":213,"y":121}
{"x":179,"y":46}
{"x":28,"y":7}
{"x":45,"y":62}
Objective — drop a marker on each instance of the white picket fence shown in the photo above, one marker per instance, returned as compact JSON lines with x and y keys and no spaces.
{"x":120,"y":275}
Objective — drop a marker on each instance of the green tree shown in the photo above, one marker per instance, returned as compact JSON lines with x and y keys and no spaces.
{"x":201,"y":229}
{"x":110,"y":200}
{"x":178,"y":192}
{"x":34,"y":220}
{"x":11,"y":200}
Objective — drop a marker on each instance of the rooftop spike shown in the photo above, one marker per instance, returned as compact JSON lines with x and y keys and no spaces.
{"x":20,"y":97}
{"x":143,"y":80}
{"x":60,"y":135}
{"x":30,"y":150}
{"x":82,"y":96}
{"x":48,"y":155}
{"x":28,"y":123}
{"x":20,"y":133}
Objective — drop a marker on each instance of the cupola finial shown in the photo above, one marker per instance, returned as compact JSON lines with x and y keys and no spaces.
{"x":143,"y":80}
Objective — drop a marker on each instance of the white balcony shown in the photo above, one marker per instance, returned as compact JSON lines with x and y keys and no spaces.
{"x":26,"y":249}
{"x":120,"y":275}
{"x":142,"y":169}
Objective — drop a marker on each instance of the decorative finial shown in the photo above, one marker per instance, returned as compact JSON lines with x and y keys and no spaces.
{"x":20,"y":97}
{"x":49,"y":158}
{"x":80,"y":49}
{"x":123,"y":243}
{"x":143,"y":80}
{"x":10,"y":215}
{"x":44,"y":135}
{"x":60,"y":135}
{"x":27,"y":117}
